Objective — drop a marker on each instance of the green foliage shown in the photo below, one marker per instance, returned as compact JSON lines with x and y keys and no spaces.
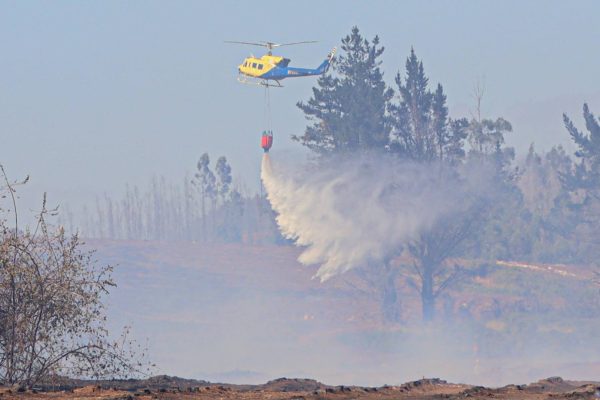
{"x":223,"y":172}
{"x":583,"y":183}
{"x":348,"y":109}
{"x":486,"y":136}
{"x":587,"y":173}
{"x":545,"y":201}
{"x":353,"y":111}
{"x":205,"y":178}
{"x":422,"y":130}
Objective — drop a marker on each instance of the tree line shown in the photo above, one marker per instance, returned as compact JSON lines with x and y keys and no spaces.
{"x":546,"y":209}
{"x":207,"y":207}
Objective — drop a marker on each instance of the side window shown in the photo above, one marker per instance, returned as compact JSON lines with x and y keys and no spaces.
{"x":253,"y":65}
{"x":260,"y":66}
{"x":245,"y":63}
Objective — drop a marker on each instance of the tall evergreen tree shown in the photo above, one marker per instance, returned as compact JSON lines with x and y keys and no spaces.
{"x":348,"y":108}
{"x":584,"y":184}
{"x":422,"y":130}
{"x":587,"y":173}
{"x":414,"y":112}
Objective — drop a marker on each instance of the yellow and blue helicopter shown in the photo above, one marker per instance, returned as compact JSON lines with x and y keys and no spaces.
{"x":270,"y":68}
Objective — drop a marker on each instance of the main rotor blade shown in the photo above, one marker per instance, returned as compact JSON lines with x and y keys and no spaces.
{"x":250,"y":43}
{"x":291,"y":44}
{"x":270,"y":45}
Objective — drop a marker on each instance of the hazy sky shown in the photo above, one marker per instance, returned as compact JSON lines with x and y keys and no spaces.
{"x":94,"y":95}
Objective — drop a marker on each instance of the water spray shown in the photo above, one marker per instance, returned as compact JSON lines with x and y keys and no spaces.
{"x":357,"y":211}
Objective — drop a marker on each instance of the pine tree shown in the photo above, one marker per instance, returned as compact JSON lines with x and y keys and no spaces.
{"x":413,"y":115}
{"x":422,"y":130}
{"x":587,"y":173}
{"x":348,"y":111}
{"x":584,"y":185}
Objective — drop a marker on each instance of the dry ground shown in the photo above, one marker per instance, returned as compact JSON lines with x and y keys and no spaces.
{"x":249,"y":313}
{"x":173,"y":388}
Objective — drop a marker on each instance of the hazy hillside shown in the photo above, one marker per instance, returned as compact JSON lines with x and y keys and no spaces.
{"x":251,"y":313}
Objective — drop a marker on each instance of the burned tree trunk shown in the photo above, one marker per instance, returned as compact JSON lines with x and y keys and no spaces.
{"x":390,"y":304}
{"x":427,"y":294}
{"x":432,"y":250}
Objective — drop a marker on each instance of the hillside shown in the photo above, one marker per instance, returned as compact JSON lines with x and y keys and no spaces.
{"x":248,"y":314}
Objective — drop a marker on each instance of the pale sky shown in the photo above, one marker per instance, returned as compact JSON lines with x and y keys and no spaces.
{"x":94,"y":95}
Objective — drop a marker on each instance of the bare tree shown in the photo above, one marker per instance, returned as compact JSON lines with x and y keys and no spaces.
{"x":52,"y":316}
{"x":478,"y":92}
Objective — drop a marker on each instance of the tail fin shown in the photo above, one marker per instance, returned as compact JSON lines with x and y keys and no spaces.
{"x":324,"y":67}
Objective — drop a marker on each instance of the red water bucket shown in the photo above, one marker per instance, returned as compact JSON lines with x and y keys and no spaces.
{"x":266,"y":140}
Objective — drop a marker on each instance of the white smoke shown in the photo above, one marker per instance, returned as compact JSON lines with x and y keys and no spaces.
{"x":358,"y":211}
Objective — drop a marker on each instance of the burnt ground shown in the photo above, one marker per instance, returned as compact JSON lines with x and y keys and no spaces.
{"x":164,"y":387}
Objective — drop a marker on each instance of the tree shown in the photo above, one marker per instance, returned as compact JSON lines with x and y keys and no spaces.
{"x":52,"y":316}
{"x":422,"y":130}
{"x":434,"y":246}
{"x":223,"y":185}
{"x":232,"y":211}
{"x":545,"y":207}
{"x":507,"y":228}
{"x":206,"y":184}
{"x":354,"y":112}
{"x":232,"y":204}
{"x":349,"y":111}
{"x":587,"y":172}
{"x":584,"y":185}
{"x":486,"y":136}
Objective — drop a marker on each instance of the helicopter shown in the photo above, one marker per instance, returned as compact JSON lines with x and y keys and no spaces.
{"x":270,"y":69}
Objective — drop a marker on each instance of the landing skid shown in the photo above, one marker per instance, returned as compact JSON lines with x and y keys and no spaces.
{"x":257,"y":82}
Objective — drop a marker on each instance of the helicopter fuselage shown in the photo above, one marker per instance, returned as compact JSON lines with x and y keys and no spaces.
{"x":276,"y":68}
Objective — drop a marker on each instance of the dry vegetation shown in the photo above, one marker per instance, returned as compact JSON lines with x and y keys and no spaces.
{"x":52,"y":315}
